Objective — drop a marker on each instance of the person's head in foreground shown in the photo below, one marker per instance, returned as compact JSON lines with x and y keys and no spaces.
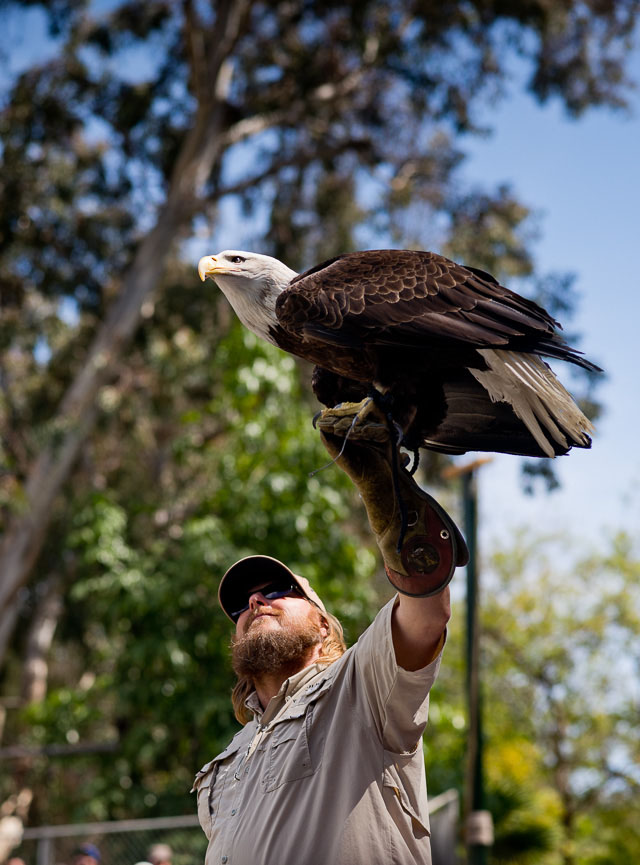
{"x":160,"y":854}
{"x":86,"y":854}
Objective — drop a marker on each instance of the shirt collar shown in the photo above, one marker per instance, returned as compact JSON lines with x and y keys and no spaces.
{"x":288,"y":688}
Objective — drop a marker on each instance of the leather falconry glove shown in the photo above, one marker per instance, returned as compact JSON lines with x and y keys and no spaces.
{"x":358,"y":438}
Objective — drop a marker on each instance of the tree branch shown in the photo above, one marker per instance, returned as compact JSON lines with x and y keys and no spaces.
{"x":299,"y":160}
{"x":301,"y":109}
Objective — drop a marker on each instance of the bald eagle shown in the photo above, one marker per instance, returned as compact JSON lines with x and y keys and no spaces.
{"x":457,"y":355}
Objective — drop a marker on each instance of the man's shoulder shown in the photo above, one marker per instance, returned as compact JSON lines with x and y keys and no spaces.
{"x":376,"y":636}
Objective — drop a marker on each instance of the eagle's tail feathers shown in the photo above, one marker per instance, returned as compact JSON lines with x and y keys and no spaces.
{"x":536,"y":397}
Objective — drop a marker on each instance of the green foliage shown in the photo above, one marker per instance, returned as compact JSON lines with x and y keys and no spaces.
{"x":522,"y":833}
{"x":355,"y":116}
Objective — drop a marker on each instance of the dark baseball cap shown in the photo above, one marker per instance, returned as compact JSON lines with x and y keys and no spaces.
{"x":248,"y":572}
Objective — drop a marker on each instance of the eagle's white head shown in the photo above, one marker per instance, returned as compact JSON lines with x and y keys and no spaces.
{"x":251,"y":283}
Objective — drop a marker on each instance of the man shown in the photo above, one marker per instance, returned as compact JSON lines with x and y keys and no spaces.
{"x":329,"y":769}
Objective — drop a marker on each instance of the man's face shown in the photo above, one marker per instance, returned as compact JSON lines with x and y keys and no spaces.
{"x":276,"y":613}
{"x":276,"y":636}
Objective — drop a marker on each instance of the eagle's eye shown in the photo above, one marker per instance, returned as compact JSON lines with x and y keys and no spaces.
{"x":236,"y":259}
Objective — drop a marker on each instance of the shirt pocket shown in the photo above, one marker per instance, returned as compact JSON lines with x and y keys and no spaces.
{"x":209,"y":785}
{"x":415,"y":813}
{"x":288,"y":756}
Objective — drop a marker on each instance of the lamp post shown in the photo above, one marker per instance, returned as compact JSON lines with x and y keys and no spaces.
{"x":478,"y":822}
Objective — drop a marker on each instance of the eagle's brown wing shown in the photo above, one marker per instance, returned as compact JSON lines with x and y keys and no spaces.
{"x":407,"y":298}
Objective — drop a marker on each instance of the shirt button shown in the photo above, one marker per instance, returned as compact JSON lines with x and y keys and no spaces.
{"x":233,"y":811}
{"x":224,"y":859}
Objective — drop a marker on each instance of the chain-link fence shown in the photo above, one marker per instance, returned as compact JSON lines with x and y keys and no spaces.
{"x":122,"y":842}
{"x":127,"y":842}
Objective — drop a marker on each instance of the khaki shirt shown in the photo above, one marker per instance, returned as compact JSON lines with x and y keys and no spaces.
{"x":332,"y":773}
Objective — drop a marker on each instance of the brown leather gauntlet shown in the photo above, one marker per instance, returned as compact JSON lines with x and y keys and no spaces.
{"x":357,"y":437}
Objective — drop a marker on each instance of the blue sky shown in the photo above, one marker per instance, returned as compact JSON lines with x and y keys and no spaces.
{"x":583,"y":177}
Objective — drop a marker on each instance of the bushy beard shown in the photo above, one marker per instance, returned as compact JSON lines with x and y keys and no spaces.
{"x":269,"y":652}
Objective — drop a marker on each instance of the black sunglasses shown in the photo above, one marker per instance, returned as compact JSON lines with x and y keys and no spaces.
{"x":276,"y":589}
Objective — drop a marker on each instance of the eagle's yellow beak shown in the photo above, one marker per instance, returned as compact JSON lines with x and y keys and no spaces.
{"x":208,"y":266}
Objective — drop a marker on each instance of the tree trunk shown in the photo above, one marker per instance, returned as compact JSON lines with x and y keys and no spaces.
{"x":8,"y":618}
{"x":35,"y":669}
